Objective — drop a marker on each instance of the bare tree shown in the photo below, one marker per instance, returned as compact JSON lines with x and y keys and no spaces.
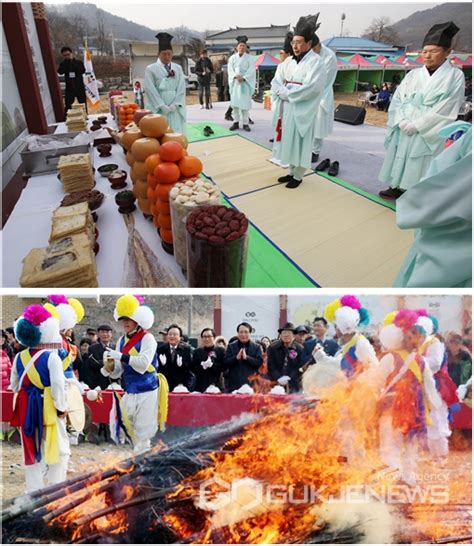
{"x":65,"y":30}
{"x":194,"y":47}
{"x":379,"y":30}
{"x":101,"y":33}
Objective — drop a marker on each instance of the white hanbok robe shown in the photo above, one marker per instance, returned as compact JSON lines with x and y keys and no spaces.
{"x":439,"y":208}
{"x":305,"y":81}
{"x":141,"y":408}
{"x":277,"y":103}
{"x":161,"y":89}
{"x":241,"y":92}
{"x":430,"y":102}
{"x":324,"y":121}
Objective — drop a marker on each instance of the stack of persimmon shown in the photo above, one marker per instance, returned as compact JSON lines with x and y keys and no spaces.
{"x":126,"y":112}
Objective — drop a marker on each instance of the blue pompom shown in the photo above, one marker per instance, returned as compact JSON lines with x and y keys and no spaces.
{"x":435,"y":322}
{"x":364,"y":317}
{"x":27,"y":334}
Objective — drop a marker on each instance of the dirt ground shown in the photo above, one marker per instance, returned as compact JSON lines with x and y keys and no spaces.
{"x":373,"y":116}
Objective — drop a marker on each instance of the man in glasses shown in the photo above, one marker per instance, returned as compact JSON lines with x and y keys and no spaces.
{"x":300,"y":93}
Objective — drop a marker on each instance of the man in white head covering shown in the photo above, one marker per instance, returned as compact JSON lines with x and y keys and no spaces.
{"x":242,"y":76}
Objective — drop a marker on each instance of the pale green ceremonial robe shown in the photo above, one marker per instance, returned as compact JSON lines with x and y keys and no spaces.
{"x":439,"y":208}
{"x":431,"y":103}
{"x":277,"y":103}
{"x":241,"y":92}
{"x":305,"y":81}
{"x":324,"y":121}
{"x":161,"y":89}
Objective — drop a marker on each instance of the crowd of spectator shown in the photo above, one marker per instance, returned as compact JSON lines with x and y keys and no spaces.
{"x":238,"y":364}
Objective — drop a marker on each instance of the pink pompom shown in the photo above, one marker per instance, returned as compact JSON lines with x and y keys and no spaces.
{"x":351,"y":301}
{"x":56,"y":299}
{"x":406,"y":319}
{"x":36,"y":314}
{"x":421,"y":312}
{"x":141,"y":299}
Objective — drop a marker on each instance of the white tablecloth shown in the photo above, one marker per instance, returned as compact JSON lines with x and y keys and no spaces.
{"x":29,"y":225}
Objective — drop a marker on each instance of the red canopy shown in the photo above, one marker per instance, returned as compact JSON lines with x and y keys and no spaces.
{"x":361,"y":61}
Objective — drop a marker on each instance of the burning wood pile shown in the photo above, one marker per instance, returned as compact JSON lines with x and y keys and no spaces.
{"x":256,"y":479}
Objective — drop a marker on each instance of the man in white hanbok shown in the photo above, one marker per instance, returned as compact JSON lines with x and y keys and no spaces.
{"x":165,"y":86}
{"x":242,"y":77}
{"x":324,"y":121}
{"x":427,"y":100}
{"x":300,"y":92}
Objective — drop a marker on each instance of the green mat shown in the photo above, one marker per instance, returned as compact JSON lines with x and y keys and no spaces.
{"x":268,"y":267}
{"x":195,"y":131}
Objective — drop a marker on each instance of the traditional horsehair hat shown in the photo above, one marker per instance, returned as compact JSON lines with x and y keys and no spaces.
{"x":287,"y":48}
{"x":307,"y":26}
{"x":132,"y":307}
{"x":347,"y":313}
{"x":70,"y":310}
{"x":37,"y":325}
{"x":242,"y":39}
{"x":441,"y":35}
{"x":398,"y":323}
{"x":164,"y":41}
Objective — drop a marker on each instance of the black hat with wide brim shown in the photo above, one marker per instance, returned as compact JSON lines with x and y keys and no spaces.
{"x":441,"y":35}
{"x":287,"y":326}
{"x":164,"y":41}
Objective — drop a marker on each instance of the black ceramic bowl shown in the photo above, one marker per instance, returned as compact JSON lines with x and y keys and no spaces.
{"x":105,"y":170}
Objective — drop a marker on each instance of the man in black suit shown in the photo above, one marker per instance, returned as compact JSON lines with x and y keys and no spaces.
{"x":175,"y":359}
{"x":93,"y":362}
{"x":284,"y":359}
{"x":208,"y":361}
{"x":330,"y":347}
{"x":243,"y":358}
{"x":73,"y":70}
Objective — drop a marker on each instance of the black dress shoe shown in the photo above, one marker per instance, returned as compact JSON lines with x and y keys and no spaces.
{"x":293,"y":183}
{"x":314,"y":158}
{"x":272,"y":140}
{"x":234,"y":127}
{"x":207,"y":131}
{"x":251,"y":122}
{"x":333,"y":169}
{"x":285,"y":179}
{"x":391,"y":193}
{"x":247,"y":128}
{"x":325,"y":164}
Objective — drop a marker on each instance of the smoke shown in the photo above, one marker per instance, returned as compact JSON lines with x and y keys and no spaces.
{"x":373,"y":518}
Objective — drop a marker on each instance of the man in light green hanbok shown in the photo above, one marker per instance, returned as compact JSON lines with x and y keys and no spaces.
{"x":439,"y":208}
{"x":300,"y":92}
{"x":242,"y":76}
{"x":165,"y":86}
{"x":427,"y":100}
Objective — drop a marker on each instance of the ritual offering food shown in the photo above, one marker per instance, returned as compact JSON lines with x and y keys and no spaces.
{"x":105,"y":170}
{"x":126,"y":111}
{"x":93,"y":198}
{"x":117,"y":179}
{"x":73,"y":220}
{"x":104,"y":150}
{"x":68,"y":262}
{"x":183,"y":198}
{"x":76,"y":172}
{"x":125,"y":201}
{"x":153,"y":125}
{"x":216,"y":243}
{"x":76,"y":118}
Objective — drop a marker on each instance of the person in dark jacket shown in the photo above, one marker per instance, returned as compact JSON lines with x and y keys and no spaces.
{"x":243,"y":358}
{"x":285,"y":359}
{"x":175,"y":359}
{"x":330,"y":347}
{"x":204,"y":69}
{"x":73,"y":70}
{"x":90,"y":372}
{"x":208,"y":361}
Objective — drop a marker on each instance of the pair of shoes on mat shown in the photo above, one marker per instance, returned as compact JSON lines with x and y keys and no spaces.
{"x":289,"y":181}
{"x":391,"y":193}
{"x":207,"y":131}
{"x":333,"y":168}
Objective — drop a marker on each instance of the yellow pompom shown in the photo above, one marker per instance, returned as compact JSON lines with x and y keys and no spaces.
{"x":52,"y":309}
{"x":390,"y":318}
{"x":78,"y":308}
{"x":126,"y":305}
{"x":330,"y":310}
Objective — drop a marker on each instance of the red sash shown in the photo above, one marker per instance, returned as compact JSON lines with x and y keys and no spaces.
{"x":133,"y":341}
{"x":278,"y":130}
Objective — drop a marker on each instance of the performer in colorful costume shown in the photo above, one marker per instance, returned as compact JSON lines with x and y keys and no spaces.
{"x":407,"y":393}
{"x":436,"y":357}
{"x":39,"y":410}
{"x":135,"y":361}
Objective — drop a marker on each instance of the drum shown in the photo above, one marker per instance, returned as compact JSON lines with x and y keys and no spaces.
{"x":76,"y":416}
